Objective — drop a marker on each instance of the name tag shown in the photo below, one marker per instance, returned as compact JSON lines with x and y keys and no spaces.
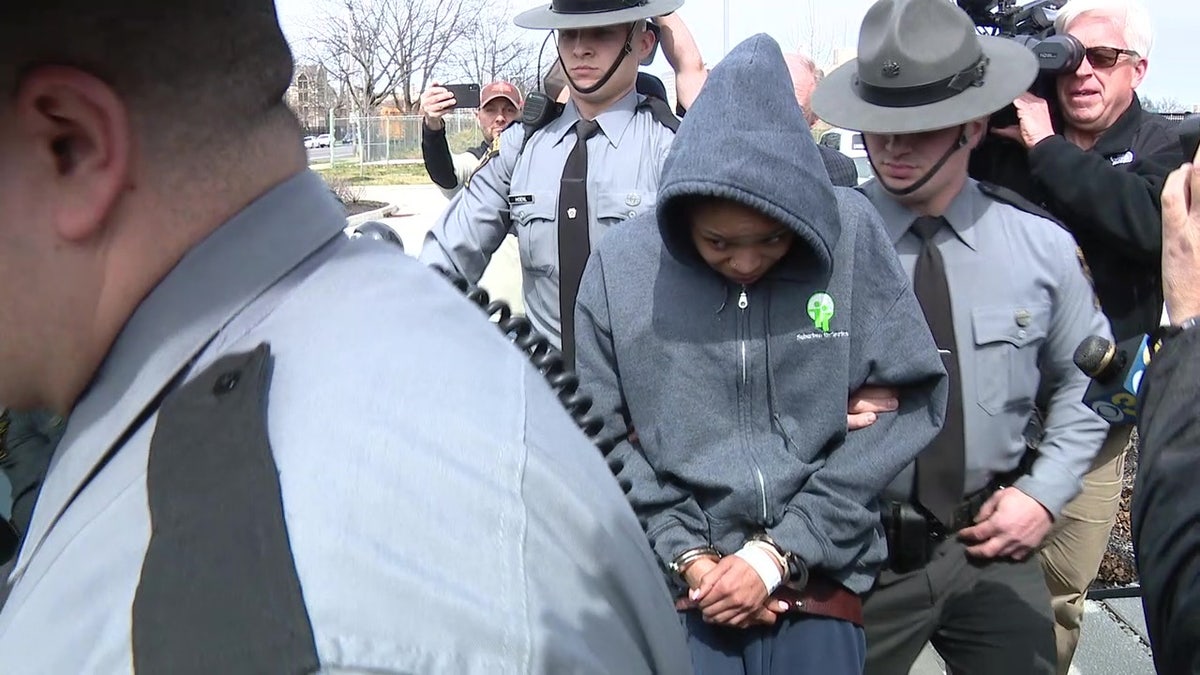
{"x":1123,"y":158}
{"x":514,"y":200}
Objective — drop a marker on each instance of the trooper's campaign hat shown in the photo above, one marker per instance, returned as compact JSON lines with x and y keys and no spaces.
{"x":593,"y":13}
{"x":922,"y":66}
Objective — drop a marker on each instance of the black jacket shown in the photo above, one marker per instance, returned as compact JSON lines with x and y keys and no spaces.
{"x":840,"y":168}
{"x":1166,"y":504}
{"x":1108,"y":197}
{"x":27,"y":447}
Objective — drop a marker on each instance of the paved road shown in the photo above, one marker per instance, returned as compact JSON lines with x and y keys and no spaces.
{"x":1114,"y":640}
{"x":321,"y":155}
{"x":420,"y":205}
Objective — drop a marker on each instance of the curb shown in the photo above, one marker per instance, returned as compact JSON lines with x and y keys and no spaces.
{"x":361,"y":218}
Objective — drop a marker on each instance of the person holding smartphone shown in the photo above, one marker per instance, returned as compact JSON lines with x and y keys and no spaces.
{"x":499,"y":104}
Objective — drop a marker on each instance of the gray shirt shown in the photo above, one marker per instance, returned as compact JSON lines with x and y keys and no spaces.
{"x":444,"y":514}
{"x":625,"y":159}
{"x":1021,"y":306}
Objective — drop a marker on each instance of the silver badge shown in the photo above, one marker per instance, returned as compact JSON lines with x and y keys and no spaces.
{"x":633,"y":199}
{"x":572,"y":212}
{"x":1024,"y":318}
{"x":891,"y":69}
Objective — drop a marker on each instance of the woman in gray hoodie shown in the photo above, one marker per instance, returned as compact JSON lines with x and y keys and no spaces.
{"x":728,"y":329}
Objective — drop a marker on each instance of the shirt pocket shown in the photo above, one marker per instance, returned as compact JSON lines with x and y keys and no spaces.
{"x":1007,"y":342}
{"x":614,"y":206}
{"x":536,"y":224}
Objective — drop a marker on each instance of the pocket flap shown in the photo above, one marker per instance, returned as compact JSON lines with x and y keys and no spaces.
{"x":1018,"y":326}
{"x":623,"y":205}
{"x":528,"y":208}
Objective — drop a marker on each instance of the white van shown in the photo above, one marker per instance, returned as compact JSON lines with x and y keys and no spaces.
{"x":850,"y":144}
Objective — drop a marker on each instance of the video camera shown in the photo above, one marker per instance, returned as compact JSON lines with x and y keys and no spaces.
{"x":1031,"y":25}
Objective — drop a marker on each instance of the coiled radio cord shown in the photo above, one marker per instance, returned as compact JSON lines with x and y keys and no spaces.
{"x":544,"y":356}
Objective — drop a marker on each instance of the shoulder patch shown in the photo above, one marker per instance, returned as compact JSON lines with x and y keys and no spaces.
{"x":1087,"y":274}
{"x":492,"y":152}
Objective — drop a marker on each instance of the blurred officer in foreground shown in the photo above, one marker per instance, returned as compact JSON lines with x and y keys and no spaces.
{"x":1007,"y":301}
{"x":240,"y":489}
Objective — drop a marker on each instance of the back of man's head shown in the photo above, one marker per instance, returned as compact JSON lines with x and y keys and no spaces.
{"x":191,"y":72}
{"x":805,"y":76}
{"x":129,"y":131}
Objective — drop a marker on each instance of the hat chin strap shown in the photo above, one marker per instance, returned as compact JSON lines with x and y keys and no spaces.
{"x":625,"y":51}
{"x":961,"y":143}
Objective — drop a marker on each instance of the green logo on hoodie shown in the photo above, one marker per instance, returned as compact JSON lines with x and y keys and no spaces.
{"x":820,"y":310}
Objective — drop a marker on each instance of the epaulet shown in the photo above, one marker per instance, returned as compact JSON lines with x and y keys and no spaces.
{"x":1010,"y":197}
{"x":660,"y":111}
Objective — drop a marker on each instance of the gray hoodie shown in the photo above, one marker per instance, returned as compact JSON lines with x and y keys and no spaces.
{"x":739,"y":395}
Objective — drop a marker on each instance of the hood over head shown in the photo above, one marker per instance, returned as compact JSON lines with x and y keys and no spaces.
{"x":746,"y":140}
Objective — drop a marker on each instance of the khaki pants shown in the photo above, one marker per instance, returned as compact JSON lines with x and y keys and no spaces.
{"x":1075,"y":548}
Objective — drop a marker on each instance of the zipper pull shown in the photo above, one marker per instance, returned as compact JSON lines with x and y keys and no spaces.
{"x":743,"y":301}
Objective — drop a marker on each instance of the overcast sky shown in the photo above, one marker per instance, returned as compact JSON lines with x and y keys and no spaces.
{"x":823,"y":25}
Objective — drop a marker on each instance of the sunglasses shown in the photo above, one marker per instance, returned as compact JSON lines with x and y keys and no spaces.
{"x":1106,"y":57}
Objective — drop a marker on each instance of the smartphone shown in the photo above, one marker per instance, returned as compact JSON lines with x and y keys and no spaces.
{"x":465,"y":95}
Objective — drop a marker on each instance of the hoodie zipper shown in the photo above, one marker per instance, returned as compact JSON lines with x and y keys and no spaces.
{"x":743,"y":331}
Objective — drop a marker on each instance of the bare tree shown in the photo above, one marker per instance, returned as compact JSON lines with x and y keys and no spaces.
{"x":1164,"y":104}
{"x":381,"y":50}
{"x":813,"y":38}
{"x":427,"y":30}
{"x":353,"y":41}
{"x":498,"y":50}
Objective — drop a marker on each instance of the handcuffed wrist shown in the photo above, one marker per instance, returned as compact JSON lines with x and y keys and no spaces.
{"x":764,"y":563}
{"x":680,"y":564}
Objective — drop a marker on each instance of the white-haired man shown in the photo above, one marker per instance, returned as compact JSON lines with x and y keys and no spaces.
{"x":1098,"y":163}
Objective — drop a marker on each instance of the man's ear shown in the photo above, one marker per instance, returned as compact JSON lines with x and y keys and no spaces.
{"x":646,"y":40}
{"x":975,"y":131}
{"x":81,"y":132}
{"x":1139,"y":72}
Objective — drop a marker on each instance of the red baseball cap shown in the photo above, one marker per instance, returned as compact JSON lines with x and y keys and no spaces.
{"x":499,"y":89}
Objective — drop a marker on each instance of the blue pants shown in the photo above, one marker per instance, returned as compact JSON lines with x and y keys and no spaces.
{"x":796,"y":645}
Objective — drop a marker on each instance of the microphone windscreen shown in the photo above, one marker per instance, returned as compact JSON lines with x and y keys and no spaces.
{"x":1094,"y":355}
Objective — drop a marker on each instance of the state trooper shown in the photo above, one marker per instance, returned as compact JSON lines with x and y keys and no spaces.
{"x":1008,"y":302}
{"x":559,"y":183}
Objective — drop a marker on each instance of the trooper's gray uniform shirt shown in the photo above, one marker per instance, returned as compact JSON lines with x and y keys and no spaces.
{"x":625,"y":160}
{"x":443,"y":512}
{"x":1021,"y":306}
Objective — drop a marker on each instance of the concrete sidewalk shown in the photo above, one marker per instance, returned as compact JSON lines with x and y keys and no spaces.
{"x":1114,"y":640}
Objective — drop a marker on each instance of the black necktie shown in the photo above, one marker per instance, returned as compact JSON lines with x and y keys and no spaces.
{"x":574,"y":246}
{"x":941,"y":467}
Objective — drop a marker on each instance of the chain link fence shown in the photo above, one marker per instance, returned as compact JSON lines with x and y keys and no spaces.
{"x":388,"y":138}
